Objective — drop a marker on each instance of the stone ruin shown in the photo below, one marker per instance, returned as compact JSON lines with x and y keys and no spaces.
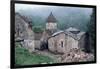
{"x":76,"y":55}
{"x":23,"y":32}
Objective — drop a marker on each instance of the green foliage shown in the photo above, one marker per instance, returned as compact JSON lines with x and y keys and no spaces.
{"x":76,"y":17}
{"x":79,"y":21}
{"x":23,"y":57}
{"x":92,"y":29}
{"x":38,"y":21}
{"x":37,"y":29}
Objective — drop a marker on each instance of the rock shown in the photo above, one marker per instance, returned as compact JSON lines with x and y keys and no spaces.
{"x":76,"y":55}
{"x":29,"y":44}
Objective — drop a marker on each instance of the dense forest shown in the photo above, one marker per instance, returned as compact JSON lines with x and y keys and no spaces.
{"x":92,"y":29}
{"x":66,"y":16}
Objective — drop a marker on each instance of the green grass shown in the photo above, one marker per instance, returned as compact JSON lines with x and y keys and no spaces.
{"x":23,"y":57}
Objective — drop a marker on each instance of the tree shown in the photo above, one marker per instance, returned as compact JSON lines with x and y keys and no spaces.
{"x":92,"y":30}
{"x":37,"y":29}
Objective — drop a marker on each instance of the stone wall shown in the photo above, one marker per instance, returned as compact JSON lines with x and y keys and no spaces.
{"x":71,"y":43}
{"x":24,"y":32}
{"x":61,"y":47}
{"x":82,"y":43}
{"x":51,"y":26}
{"x":51,"y":44}
{"x":37,"y":44}
{"x":57,"y":43}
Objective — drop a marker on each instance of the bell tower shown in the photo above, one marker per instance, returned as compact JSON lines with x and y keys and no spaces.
{"x":51,"y":22}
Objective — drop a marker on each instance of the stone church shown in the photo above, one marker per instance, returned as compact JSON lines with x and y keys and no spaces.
{"x":53,"y":39}
{"x":61,"y":41}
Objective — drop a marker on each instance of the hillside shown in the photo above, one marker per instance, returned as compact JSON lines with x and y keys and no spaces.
{"x":66,"y":17}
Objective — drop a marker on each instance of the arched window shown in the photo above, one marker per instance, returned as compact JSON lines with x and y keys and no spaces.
{"x":61,"y":43}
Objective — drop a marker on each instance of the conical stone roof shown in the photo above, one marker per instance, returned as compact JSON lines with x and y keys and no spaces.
{"x":51,"y":18}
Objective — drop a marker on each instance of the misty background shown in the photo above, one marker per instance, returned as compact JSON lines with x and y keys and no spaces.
{"x":66,"y":17}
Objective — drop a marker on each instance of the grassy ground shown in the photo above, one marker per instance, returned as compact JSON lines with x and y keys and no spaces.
{"x":23,"y":57}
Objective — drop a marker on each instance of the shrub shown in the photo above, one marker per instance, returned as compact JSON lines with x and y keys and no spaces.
{"x":37,"y":29}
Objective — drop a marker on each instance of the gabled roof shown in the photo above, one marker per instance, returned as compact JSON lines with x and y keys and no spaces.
{"x":72,"y":29}
{"x":58,"y":32}
{"x":75,"y":33}
{"x":68,"y":32}
{"x":51,"y":18}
